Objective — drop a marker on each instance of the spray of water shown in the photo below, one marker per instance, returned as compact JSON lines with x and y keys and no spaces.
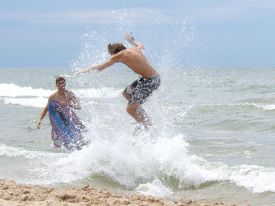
{"x":157,"y":162}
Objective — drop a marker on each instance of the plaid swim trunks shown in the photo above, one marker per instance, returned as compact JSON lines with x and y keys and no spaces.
{"x":142,"y":88}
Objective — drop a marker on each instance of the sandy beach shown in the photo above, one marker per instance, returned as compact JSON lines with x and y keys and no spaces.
{"x":13,"y":194}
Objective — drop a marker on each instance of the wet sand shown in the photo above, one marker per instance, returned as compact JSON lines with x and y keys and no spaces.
{"x":13,"y":194}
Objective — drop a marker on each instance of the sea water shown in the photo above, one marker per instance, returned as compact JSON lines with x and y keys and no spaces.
{"x":212,"y":137}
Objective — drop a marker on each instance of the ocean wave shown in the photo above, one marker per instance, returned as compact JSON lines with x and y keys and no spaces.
{"x":256,"y":178}
{"x":12,"y":90}
{"x":264,"y":107}
{"x":9,"y":151}
{"x":154,"y":167}
{"x":27,"y":102}
{"x":232,"y":106}
{"x":130,"y":167}
{"x":155,"y":188}
{"x":30,"y":97}
{"x":147,"y":167}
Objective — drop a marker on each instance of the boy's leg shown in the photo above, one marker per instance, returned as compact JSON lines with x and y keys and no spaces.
{"x":138,"y":113}
{"x":126,"y":95}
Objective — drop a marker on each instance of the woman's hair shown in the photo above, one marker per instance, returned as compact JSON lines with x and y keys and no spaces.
{"x":115,"y":48}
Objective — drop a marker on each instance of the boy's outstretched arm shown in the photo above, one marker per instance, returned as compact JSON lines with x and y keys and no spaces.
{"x":98,"y":67}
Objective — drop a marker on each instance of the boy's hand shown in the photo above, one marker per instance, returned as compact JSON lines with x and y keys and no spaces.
{"x":129,"y":37}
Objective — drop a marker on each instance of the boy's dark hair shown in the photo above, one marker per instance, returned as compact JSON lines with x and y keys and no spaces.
{"x":58,"y":79}
{"x":115,"y":48}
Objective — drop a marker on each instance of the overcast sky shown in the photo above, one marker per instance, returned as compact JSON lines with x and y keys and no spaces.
{"x":204,"y":33}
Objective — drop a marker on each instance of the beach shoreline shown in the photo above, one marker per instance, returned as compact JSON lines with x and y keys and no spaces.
{"x":15,"y":194}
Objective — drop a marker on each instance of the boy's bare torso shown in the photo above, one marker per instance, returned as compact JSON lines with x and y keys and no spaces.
{"x":135,"y":60}
{"x":63,"y":99}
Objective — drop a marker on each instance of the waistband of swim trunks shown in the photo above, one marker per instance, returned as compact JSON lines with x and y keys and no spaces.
{"x":156,"y":75}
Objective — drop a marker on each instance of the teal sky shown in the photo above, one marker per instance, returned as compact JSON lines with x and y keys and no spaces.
{"x":201,"y":33}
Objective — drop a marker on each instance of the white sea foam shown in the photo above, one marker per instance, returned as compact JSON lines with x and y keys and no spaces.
{"x":30,"y":97}
{"x":256,"y":178}
{"x":27,"y":102}
{"x":8,"y":151}
{"x":12,"y":90}
{"x":251,"y":104}
{"x":264,"y":107}
{"x":260,"y":106}
{"x":155,"y":188}
{"x":141,"y":165}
